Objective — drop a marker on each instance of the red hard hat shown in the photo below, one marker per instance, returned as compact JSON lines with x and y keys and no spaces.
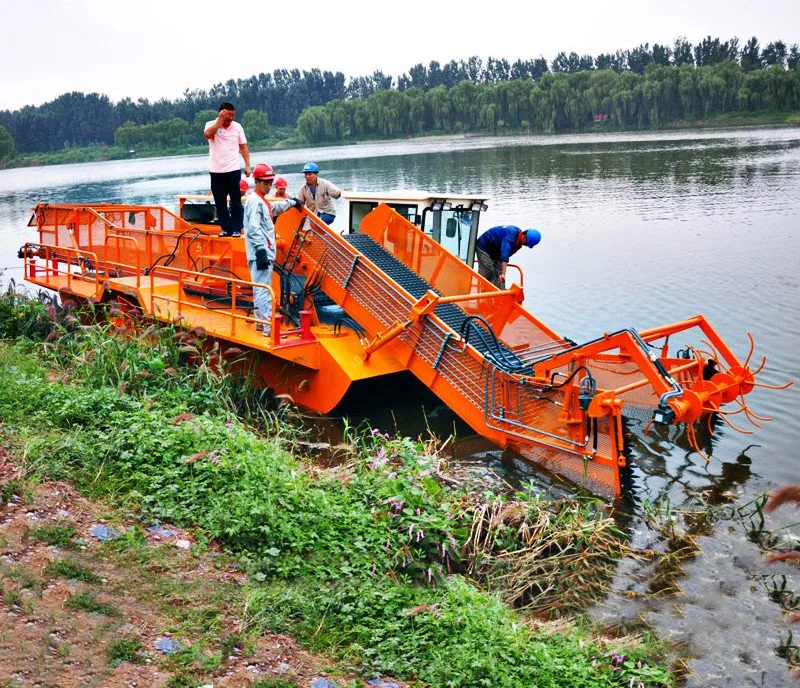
{"x":243,"y":186}
{"x":263,"y":171}
{"x":281,"y":183}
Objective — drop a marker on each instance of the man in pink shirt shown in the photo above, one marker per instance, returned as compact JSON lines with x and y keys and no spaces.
{"x":226,"y":142}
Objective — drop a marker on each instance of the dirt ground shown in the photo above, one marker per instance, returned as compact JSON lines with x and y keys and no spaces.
{"x":76,"y":611}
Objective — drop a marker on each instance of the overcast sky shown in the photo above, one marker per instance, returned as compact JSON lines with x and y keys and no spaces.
{"x":158,"y":48}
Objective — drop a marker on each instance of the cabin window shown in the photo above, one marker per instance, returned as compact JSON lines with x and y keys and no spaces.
{"x":452,"y":228}
{"x":358,"y":209}
{"x":202,"y":213}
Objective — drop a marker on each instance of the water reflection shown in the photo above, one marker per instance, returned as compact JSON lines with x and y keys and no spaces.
{"x":666,"y":467}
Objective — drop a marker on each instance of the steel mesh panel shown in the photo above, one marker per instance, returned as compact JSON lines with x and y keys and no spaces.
{"x":594,"y":476}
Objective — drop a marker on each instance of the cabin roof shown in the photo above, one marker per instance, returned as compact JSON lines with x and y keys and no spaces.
{"x":411,"y":196}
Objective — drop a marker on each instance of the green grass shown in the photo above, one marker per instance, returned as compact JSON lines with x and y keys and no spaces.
{"x":18,"y":488}
{"x":368,"y":561}
{"x":22,"y":576}
{"x":54,"y":534}
{"x":72,"y":570}
{"x":87,"y":602}
{"x":125,"y":650}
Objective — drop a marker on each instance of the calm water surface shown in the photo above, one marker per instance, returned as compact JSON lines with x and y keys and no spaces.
{"x":638,"y":230}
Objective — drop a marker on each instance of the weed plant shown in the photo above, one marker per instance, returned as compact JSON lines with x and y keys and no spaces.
{"x":72,"y":570}
{"x":374,"y":560}
{"x":87,"y":601}
{"x":54,"y":534}
{"x":125,"y":650}
{"x":22,"y":315}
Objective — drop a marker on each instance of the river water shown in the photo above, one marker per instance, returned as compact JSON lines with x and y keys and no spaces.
{"x":638,"y":230}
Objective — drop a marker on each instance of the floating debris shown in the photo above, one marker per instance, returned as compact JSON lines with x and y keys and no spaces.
{"x":322,"y":682}
{"x":160,"y":531}
{"x":167,"y":645}
{"x":103,"y":533}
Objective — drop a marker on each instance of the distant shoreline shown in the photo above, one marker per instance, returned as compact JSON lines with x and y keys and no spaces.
{"x":109,"y":153}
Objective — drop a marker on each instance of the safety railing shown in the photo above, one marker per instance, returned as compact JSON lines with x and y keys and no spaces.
{"x":74,"y":264}
{"x":60,"y":261}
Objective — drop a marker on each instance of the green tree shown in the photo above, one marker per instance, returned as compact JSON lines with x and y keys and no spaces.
{"x":639,"y":58}
{"x":774,"y":54}
{"x":7,"y":148}
{"x":439,"y":104}
{"x":751,"y":55}
{"x":682,"y":52}
{"x":312,"y":125}
{"x":793,"y":59}
{"x":199,"y":123}
{"x":125,"y":136}
{"x":255,"y":125}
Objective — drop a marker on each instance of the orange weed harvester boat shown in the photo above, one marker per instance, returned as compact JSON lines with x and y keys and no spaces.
{"x":395,"y":293}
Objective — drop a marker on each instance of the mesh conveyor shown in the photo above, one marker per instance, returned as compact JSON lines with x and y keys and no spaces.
{"x":449,"y":313}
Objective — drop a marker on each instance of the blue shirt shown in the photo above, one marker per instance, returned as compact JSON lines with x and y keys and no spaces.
{"x":500,"y":243}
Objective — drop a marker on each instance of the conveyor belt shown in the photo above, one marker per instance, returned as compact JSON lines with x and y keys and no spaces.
{"x":449,"y":313}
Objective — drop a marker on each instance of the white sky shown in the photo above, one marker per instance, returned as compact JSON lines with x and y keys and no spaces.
{"x":158,"y":48}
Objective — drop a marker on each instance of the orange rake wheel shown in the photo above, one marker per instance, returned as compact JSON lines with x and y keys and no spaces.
{"x":745,"y":378}
{"x":689,"y":406}
{"x":728,"y":386}
{"x":710,"y":393}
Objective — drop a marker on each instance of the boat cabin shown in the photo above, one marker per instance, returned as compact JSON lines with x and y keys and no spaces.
{"x":449,"y":219}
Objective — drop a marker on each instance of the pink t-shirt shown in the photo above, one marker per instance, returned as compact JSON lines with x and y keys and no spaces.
{"x":223,"y":148}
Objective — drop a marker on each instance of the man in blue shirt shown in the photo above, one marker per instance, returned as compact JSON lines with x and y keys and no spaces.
{"x":496,"y":246}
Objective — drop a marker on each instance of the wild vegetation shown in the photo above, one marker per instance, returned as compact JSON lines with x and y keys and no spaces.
{"x":637,"y":88}
{"x":375,"y":559}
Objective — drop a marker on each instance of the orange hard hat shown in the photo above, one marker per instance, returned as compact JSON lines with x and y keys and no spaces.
{"x":243,"y":186}
{"x":263,"y":172}
{"x":281,"y":183}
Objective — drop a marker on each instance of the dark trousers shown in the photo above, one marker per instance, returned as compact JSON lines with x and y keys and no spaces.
{"x":224,"y":185}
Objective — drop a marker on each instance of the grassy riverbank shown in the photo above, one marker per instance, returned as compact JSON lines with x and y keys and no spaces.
{"x":375,"y":560}
{"x":287,"y":139}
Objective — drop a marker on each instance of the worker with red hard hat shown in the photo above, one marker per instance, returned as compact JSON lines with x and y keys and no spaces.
{"x":280,"y":187}
{"x":259,"y":239}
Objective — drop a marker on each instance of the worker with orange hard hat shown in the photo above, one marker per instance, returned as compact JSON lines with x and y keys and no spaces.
{"x":280,"y":187}
{"x":259,"y":239}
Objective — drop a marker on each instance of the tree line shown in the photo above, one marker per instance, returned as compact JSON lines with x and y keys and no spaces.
{"x":364,"y":105}
{"x":558,"y":102}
